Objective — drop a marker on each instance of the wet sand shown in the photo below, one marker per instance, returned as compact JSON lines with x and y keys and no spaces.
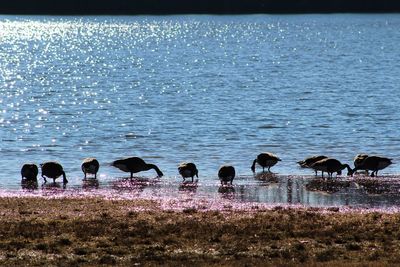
{"x":92,"y":230}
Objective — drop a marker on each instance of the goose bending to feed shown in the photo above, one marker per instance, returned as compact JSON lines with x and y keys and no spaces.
{"x":188,"y":169}
{"x":330,"y":166}
{"x":52,"y":169}
{"x":29,"y":171}
{"x":265,"y":160}
{"x":374,"y":164}
{"x":226,"y":174}
{"x":134,"y":165}
{"x":91,"y":166}
{"x":311,"y":160}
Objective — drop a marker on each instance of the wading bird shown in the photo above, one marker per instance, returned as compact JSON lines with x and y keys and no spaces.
{"x":358,"y":159}
{"x":330,"y":166}
{"x":134,"y":165}
{"x":52,"y":169}
{"x":311,"y":160}
{"x":226,"y":174}
{"x":91,"y":166}
{"x":29,"y":171}
{"x":374,"y":164}
{"x":188,"y":169}
{"x":265,"y":160}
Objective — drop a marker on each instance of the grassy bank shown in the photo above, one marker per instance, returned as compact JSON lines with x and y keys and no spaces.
{"x":38,"y":231}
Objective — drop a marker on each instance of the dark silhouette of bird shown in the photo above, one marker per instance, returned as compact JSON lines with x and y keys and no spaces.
{"x":134,"y":165}
{"x":330,"y":166}
{"x":265,"y":160}
{"x":374,"y":164}
{"x":91,"y":166}
{"x":52,"y":169}
{"x":311,"y":160}
{"x":29,"y":171}
{"x":226,"y":174}
{"x":188,"y":169}
{"x":358,"y":159}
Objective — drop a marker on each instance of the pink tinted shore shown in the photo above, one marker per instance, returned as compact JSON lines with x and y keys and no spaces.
{"x":184,"y":202}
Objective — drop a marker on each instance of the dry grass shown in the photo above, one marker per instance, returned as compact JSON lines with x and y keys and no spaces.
{"x":87,"y":232}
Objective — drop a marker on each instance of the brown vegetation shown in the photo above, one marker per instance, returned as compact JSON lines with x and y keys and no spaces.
{"x":94,"y":231}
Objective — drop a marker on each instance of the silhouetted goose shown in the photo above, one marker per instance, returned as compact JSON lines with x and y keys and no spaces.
{"x":188,"y":169}
{"x":52,"y":169}
{"x":311,"y":160}
{"x":134,"y":165}
{"x":374,"y":164}
{"x":330,"y":166}
{"x":358,"y":159}
{"x":29,"y":171}
{"x":91,"y":166}
{"x":265,"y":160}
{"x":226,"y":174}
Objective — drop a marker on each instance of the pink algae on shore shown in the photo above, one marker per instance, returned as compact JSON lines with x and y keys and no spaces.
{"x":196,"y":197}
{"x":184,"y":202}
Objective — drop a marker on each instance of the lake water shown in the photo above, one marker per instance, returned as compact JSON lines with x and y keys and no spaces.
{"x":209,"y":89}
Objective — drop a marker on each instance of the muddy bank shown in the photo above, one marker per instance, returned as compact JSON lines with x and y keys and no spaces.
{"x":91,"y":231}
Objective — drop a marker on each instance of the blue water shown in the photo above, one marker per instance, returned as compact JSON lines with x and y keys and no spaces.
{"x":209,"y":89}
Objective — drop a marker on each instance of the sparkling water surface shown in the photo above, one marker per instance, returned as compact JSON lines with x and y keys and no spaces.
{"x":209,"y":89}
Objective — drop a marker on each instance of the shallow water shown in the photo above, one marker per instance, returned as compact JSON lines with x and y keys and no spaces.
{"x":208,"y":89}
{"x":247,"y":192}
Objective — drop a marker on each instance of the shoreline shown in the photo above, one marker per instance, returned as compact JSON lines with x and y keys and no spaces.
{"x":89,"y":231}
{"x":120,"y":7}
{"x":360,"y":194}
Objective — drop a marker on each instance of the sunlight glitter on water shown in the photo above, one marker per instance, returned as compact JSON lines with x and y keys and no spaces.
{"x":208,"y":89}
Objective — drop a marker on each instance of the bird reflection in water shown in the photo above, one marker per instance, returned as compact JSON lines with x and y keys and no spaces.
{"x":188,"y":186}
{"x":53,"y":185}
{"x":378,"y":187}
{"x":90,"y":183}
{"x":328,"y":186}
{"x":30,"y":185}
{"x":267,"y":177}
{"x":134,"y":184}
{"x":227,"y":191}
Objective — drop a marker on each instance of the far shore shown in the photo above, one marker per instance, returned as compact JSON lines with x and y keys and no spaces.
{"x":96,"y":231}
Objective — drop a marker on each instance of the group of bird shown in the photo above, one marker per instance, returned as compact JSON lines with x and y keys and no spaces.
{"x":226,"y":173}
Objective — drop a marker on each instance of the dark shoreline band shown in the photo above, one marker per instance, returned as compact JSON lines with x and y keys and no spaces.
{"x":163,"y":7}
